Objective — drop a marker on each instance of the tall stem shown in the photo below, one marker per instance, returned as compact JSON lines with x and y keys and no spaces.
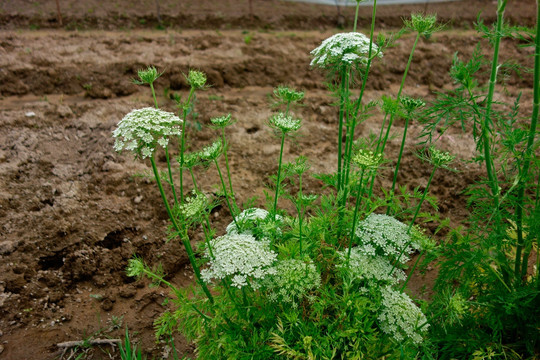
{"x":348,"y":150}
{"x":181,"y":232}
{"x":278,"y":180}
{"x":359,"y":194}
{"x":226,"y":193}
{"x":422,"y":199}
{"x":390,"y":122}
{"x":486,"y":120}
{"x":528,"y":154}
{"x":170,"y":175}
{"x":183,"y":142}
{"x":300,"y":212}
{"x":225,"y":145}
{"x":398,"y":161}
{"x":344,"y":75}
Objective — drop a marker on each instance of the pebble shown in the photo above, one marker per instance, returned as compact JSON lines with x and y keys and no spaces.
{"x":30,"y":114}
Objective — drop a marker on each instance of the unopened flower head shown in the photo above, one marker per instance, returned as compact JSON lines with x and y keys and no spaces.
{"x":222,"y":121}
{"x":250,"y":219}
{"x":147,"y":76}
{"x":400,"y":317}
{"x":292,"y":281}
{"x":286,"y":95}
{"x":367,"y":160}
{"x":298,"y":167}
{"x":411,"y":104}
{"x":370,"y":268}
{"x":240,"y":257}
{"x":135,"y":267}
{"x":194,"y":205}
{"x":343,"y":49}
{"x":383,"y":235}
{"x":284,"y":123}
{"x":141,"y":130}
{"x":196,"y":79}
{"x":440,"y":158}
{"x":211,"y":152}
{"x":425,"y":25}
{"x":190,"y":160}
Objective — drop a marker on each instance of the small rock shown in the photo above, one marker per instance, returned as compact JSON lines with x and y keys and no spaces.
{"x":111,"y":166}
{"x":138,"y":199}
{"x":30,"y":114}
{"x":7,"y":247}
{"x":64,"y":111}
{"x":107,"y":304}
{"x":127,"y":292}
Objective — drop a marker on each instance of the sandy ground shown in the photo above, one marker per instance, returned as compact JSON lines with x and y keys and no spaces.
{"x":73,"y":211}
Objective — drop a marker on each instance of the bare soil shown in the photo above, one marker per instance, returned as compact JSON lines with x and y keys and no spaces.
{"x":73,"y":211}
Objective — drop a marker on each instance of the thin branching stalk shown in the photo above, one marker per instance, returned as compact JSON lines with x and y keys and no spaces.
{"x":344,"y":75}
{"x":300,"y":212}
{"x":170,"y":175}
{"x":486,"y":119}
{"x":226,"y":193}
{"x":348,"y":150}
{"x":278,"y":180}
{"x":231,"y":191}
{"x":183,"y":143}
{"x":399,"y":160}
{"x":391,"y":121}
{"x":359,"y":193}
{"x":422,"y":199}
{"x":181,"y":232}
{"x":527,"y":157}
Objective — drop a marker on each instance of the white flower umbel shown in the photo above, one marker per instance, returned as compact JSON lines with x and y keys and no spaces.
{"x":141,"y":130}
{"x":292,"y":281}
{"x":249,"y":219}
{"x":384,"y":235}
{"x":370,"y":268}
{"x":400,"y":317}
{"x":240,"y":257}
{"x":343,"y":49}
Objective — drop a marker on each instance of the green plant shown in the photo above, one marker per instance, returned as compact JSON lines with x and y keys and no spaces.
{"x":128,"y":351}
{"x":486,"y":263}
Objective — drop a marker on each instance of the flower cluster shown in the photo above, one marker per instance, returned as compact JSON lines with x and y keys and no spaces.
{"x":411,"y":104}
{"x":292,"y":281}
{"x":367,"y":160}
{"x":194,"y":205}
{"x":384,"y":235}
{"x":284,"y":123}
{"x":140,"y":131}
{"x":241,"y":258}
{"x":211,"y":152}
{"x":222,"y":121}
{"x":400,"y":317}
{"x":370,"y":268}
{"x":343,"y":49}
{"x":440,"y":159}
{"x":425,"y":25}
{"x":250,"y":219}
{"x":286,"y":95}
{"x":196,"y":79}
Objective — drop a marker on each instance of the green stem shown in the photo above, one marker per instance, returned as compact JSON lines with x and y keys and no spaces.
{"x":422,"y":199}
{"x":154,"y":95}
{"x":170,"y":176}
{"x":300,"y":213}
{"x":400,"y":90}
{"x":225,"y":145}
{"x":412,"y":270}
{"x":184,"y":238}
{"x":183,"y":143}
{"x":226,"y":194}
{"x":398,"y":161}
{"x":348,"y":150}
{"x":278,"y":180}
{"x":528,"y":155}
{"x":344,"y":81}
{"x":356,"y":14}
{"x":359,"y":194}
{"x":486,"y":120}
{"x":414,"y":218}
